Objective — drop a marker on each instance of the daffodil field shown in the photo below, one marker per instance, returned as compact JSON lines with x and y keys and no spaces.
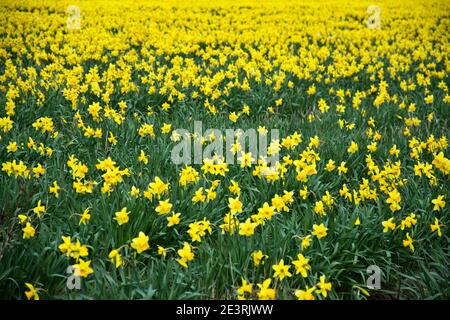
{"x":92,"y":205}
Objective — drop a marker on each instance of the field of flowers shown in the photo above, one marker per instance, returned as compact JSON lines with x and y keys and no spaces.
{"x":92,"y":94}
